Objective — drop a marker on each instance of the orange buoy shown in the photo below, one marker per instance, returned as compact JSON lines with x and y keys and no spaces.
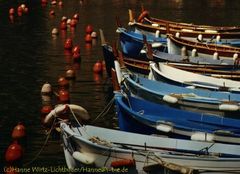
{"x":19,"y":131}
{"x":76,"y":16}
{"x":73,"y":23}
{"x":11,"y":11}
{"x":124,"y":162}
{"x":19,"y":9}
{"x":60,"y":3}
{"x":70,"y":74}
{"x":76,"y":49}
{"x":76,"y":56}
{"x":68,"y":44}
{"x":88,"y":38}
{"x":52,"y":12}
{"x":89,"y":29}
{"x":63,"y":82}
{"x":97,"y":68}
{"x":63,"y":25}
{"x":44,"y":1}
{"x":64,"y":96}
{"x":14,"y":152}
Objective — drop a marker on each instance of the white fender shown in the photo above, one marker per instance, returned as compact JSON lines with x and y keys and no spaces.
{"x":157,"y":34}
{"x":235,"y":56}
{"x":156,"y":44}
{"x":164,"y":127}
{"x":194,"y":52}
{"x":228,"y":107}
{"x":177,"y":35}
{"x":184,"y":51}
{"x":200,"y":37}
{"x":83,"y":158}
{"x":46,"y":88}
{"x":215,"y":56}
{"x":170,"y":99}
{"x":118,"y":71}
{"x":210,"y":31}
{"x":186,"y":30}
{"x":155,"y":25}
{"x":218,"y":38}
{"x":201,"y":136}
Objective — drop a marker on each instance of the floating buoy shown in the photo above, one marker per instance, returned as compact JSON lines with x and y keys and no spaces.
{"x":89,"y":29}
{"x":69,"y":21}
{"x":73,"y":23}
{"x":76,"y":49}
{"x":63,"y":25}
{"x":76,"y":56}
{"x":123,"y":162}
{"x":64,"y":19}
{"x":19,"y":9}
{"x":88,"y":38}
{"x":70,"y":74}
{"x":60,"y":3}
{"x":63,"y":82}
{"x":52,"y":12}
{"x":14,"y":152}
{"x":19,"y":131}
{"x":97,"y":68}
{"x":54,"y":2}
{"x":68,"y":44}
{"x":76,"y":16}
{"x":11,"y":11}
{"x":44,"y":1}
{"x":94,"y":34}
{"x":46,"y":89}
{"x":55,"y":31}
{"x":64,"y":96}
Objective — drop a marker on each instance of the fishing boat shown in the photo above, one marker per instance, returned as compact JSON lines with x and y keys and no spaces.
{"x":162,"y":71}
{"x":214,"y":102}
{"x":208,"y":34}
{"x":110,"y":150}
{"x":132,"y":42}
{"x":145,"y":17}
{"x":142,"y":116}
{"x":177,"y":44}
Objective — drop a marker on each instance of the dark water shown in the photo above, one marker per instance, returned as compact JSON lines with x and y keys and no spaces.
{"x":30,"y":56}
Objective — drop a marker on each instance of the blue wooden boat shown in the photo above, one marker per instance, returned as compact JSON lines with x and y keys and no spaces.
{"x":215,"y":102}
{"x":137,"y":115}
{"x":132,"y":42}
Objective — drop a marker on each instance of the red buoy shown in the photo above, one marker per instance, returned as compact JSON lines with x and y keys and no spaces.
{"x":63,"y":82}
{"x":19,"y":131}
{"x":64,"y":96}
{"x":70,"y":74}
{"x":11,"y":11}
{"x":14,"y":152}
{"x":73,"y":23}
{"x":63,"y":25}
{"x":52,"y":12}
{"x":20,"y":9}
{"x":68,"y":44}
{"x":88,"y":38}
{"x":45,"y":111}
{"x":76,"y":49}
{"x":76,"y":16}
{"x":97,"y":68}
{"x":89,"y":29}
{"x":76,"y":56}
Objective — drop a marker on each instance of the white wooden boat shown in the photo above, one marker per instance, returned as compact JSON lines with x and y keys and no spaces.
{"x":162,"y":70}
{"x":104,"y":148}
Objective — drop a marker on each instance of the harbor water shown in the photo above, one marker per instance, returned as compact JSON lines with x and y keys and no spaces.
{"x":30,"y":56}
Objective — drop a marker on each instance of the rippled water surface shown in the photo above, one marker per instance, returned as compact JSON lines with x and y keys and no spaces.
{"x":30,"y":56}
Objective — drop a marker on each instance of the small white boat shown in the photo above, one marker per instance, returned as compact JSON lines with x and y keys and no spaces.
{"x":163,"y":70}
{"x":106,"y":148}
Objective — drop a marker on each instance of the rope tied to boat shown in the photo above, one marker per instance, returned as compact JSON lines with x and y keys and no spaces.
{"x":44,"y":144}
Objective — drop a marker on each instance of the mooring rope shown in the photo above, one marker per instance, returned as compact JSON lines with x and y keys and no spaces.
{"x":44,"y":144}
